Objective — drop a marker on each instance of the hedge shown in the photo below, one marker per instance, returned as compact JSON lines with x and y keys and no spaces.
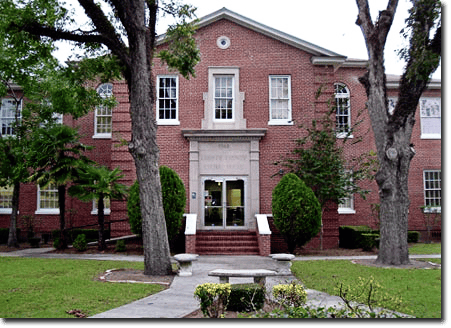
{"x":246,"y":297}
{"x":4,"y":235}
{"x":351,"y":236}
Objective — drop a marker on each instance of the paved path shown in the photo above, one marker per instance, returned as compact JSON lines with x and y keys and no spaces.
{"x":178,"y":300}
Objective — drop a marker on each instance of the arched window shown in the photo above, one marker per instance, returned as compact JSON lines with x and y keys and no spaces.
{"x":343,"y":110}
{"x":103,"y":115}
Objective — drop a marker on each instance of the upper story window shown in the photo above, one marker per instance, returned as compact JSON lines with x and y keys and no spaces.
{"x":6,"y":197}
{"x":431,"y":118}
{"x":167,"y":100}
{"x":8,"y":110}
{"x":103,"y":121}
{"x":343,"y":111}
{"x":280,"y":100}
{"x":48,"y":200}
{"x":432,"y":190}
{"x":224,"y":98}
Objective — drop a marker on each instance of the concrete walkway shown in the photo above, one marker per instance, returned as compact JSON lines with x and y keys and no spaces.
{"x":178,"y":300}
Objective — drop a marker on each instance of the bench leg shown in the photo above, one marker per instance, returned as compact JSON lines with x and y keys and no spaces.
{"x":223,"y":280}
{"x":260,"y":280}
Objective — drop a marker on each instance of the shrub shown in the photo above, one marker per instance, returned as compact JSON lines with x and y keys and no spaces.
{"x":213,"y":298}
{"x":296,"y":211}
{"x":4,"y":235}
{"x":34,"y":241}
{"x":292,"y":295}
{"x":413,"y":236}
{"x":246,"y":297}
{"x":120,"y":246}
{"x":57,"y":243}
{"x":80,"y":243}
{"x":174,"y":202}
{"x":351,"y":236}
{"x":368,"y":241}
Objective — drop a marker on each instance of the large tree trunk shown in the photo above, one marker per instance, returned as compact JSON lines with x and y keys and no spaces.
{"x":144,"y":148}
{"x":12,"y":237}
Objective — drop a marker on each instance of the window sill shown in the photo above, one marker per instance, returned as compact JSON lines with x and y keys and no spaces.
{"x":346,"y":211}
{"x":48,"y":211}
{"x":344,"y":136}
{"x":101,"y":136}
{"x":433,"y":210}
{"x":168,"y":122}
{"x":282,"y":122}
{"x":105,"y":212}
{"x":6,"y":210}
{"x":431,"y":136}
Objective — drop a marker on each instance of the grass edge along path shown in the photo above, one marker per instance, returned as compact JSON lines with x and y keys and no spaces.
{"x":48,"y":288}
{"x":419,"y":289}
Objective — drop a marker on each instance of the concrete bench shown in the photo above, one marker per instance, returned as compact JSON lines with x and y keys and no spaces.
{"x":259,"y":275}
{"x":283,"y":262}
{"x":185,"y":263}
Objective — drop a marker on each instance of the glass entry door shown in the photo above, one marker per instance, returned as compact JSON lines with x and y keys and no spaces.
{"x":224,"y":202}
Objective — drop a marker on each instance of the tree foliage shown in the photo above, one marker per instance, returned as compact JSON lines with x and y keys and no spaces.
{"x":296,"y":211}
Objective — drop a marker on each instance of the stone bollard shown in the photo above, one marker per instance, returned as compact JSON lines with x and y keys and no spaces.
{"x":185,"y":263}
{"x":283,"y":263}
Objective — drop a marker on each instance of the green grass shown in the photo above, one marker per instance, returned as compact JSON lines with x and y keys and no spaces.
{"x":435,"y":248}
{"x":47,"y":288}
{"x":419,"y":289}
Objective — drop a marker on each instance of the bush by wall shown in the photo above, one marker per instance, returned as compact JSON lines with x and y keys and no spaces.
{"x":90,"y":234}
{"x":351,"y":236}
{"x":413,"y":236}
{"x":246,"y":297}
{"x":296,"y":211}
{"x":4,"y":234}
{"x":80,"y":243}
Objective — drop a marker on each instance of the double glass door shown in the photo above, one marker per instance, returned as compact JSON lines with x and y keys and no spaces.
{"x":224,"y":202}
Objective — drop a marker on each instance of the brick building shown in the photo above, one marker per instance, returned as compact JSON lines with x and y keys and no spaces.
{"x":223,"y":130}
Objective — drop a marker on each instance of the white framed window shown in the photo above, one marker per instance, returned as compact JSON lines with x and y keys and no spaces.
{"x":6,"y":197}
{"x":8,"y":116}
{"x":224,"y":98}
{"x":167,"y":100}
{"x":103,"y":121}
{"x":431,"y":118}
{"x":433,"y":190}
{"x":392,"y":101}
{"x":280,"y":100}
{"x":106,"y":207}
{"x":346,"y":205}
{"x":48,"y":200}
{"x":343,"y":110}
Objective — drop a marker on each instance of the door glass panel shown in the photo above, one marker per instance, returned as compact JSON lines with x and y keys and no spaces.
{"x":213,"y":203}
{"x":235,"y":203}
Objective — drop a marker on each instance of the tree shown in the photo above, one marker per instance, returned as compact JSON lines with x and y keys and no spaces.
{"x":98,"y":183}
{"x":393,"y":131}
{"x":318,"y":160}
{"x":296,"y":211}
{"x":126,"y":29}
{"x":57,"y":157}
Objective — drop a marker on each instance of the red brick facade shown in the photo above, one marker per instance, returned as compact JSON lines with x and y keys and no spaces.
{"x":258,"y":52}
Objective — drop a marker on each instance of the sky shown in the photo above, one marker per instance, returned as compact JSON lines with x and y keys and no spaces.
{"x":327,"y":23}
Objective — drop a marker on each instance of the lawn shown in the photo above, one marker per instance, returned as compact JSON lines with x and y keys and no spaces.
{"x":47,"y":288}
{"x":419,"y":289}
{"x":433,"y":248}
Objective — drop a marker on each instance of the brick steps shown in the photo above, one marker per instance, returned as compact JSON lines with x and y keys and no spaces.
{"x":226,"y":243}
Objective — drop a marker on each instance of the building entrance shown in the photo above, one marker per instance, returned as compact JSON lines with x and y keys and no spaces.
{"x":224,"y":202}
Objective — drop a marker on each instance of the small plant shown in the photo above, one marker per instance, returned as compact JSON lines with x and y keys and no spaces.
{"x":34,"y":242}
{"x":80,"y":243}
{"x":213,"y":298}
{"x":120,"y":246}
{"x":246,"y":297}
{"x":292,"y":295}
{"x":57,"y":243}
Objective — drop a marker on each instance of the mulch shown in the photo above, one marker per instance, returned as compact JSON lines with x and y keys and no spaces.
{"x":134,"y":276}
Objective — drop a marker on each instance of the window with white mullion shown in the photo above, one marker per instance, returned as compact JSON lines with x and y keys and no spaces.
{"x":224,"y":98}
{"x":280,"y":99}
{"x":343,"y":110}
{"x":103,"y":114}
{"x":433,"y":189}
{"x":8,"y":111}
{"x":48,"y":200}
{"x":6,"y":197}
{"x":430,"y":115}
{"x":167,"y":100}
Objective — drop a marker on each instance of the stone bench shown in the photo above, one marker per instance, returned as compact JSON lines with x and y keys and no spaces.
{"x":283,"y":262}
{"x":259,"y":275}
{"x":185,"y":263}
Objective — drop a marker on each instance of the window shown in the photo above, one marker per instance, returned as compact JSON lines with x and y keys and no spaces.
{"x":433,"y":189}
{"x":106,"y":206}
{"x":280,"y":100}
{"x":8,"y":115}
{"x":224,"y":98}
{"x":167,"y":100}
{"x":392,"y":104}
{"x":343,"y":111}
{"x":430,"y":113}
{"x":48,"y":200}
{"x":6,"y":196}
{"x":103,"y":115}
{"x":346,"y":205}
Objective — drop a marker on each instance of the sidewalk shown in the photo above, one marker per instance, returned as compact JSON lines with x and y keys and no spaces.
{"x":178,"y":300}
